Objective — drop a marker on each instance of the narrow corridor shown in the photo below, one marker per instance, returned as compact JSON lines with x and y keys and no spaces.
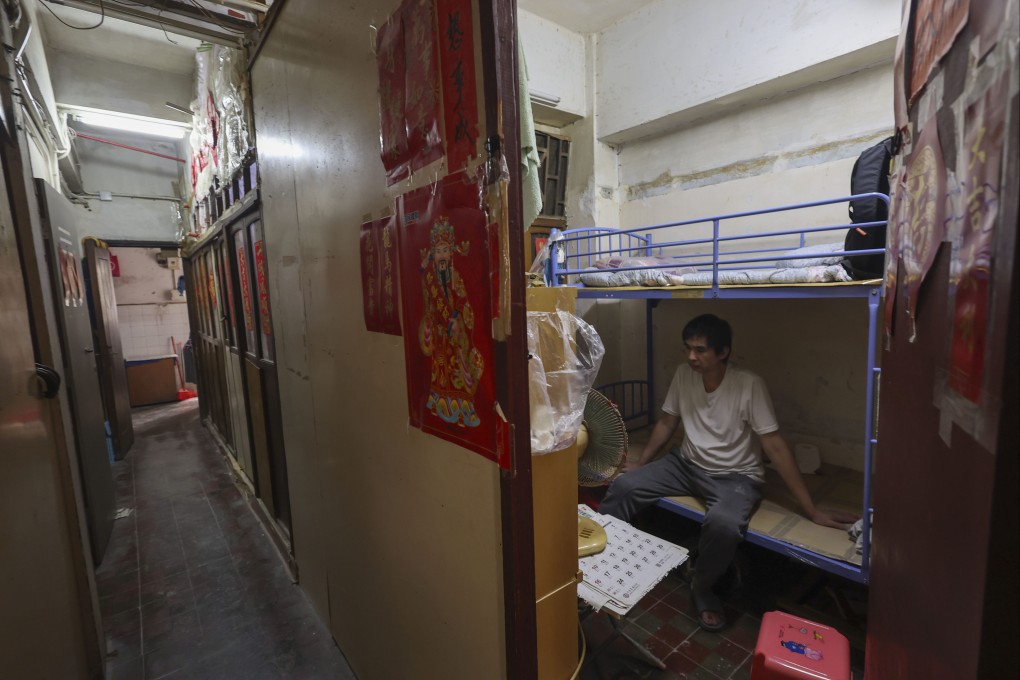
{"x":191,"y":586}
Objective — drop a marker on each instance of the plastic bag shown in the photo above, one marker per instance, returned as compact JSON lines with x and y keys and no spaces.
{"x":565,"y":357}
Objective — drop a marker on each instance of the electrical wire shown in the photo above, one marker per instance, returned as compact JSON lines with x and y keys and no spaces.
{"x":161,"y":6}
{"x":159,"y":14}
{"x":102,"y":17}
{"x":212,"y":18}
{"x":584,"y":650}
{"x":165,"y":34}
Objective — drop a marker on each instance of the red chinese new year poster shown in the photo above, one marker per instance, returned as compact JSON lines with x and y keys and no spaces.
{"x":263,"y":284}
{"x":379,"y":275}
{"x":392,"y":135}
{"x":919,"y":236}
{"x":408,"y":90}
{"x":242,"y":274}
{"x":457,"y":65}
{"x":447,"y":295}
{"x":972,"y":262}
{"x":936,"y":25}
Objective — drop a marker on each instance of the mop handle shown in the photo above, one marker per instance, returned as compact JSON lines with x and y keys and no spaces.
{"x":180,"y":372}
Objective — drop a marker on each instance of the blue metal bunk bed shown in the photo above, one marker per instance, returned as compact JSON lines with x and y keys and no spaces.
{"x":574,"y":252}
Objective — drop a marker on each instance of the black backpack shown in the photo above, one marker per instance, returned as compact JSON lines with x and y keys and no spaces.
{"x":870,"y":175}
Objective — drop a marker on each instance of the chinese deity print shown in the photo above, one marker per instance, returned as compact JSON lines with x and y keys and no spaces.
{"x":444,"y":334}
{"x":446,"y":294}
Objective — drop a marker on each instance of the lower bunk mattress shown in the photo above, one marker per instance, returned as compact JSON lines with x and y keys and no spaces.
{"x":778,"y":515}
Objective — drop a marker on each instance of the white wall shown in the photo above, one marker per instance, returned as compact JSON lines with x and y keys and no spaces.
{"x":676,"y":60}
{"x":145,"y":330}
{"x":149,"y":216}
{"x":106,"y":84}
{"x":147,"y":317}
{"x":556,"y":61}
{"x":42,"y":148}
{"x":143,"y":280}
{"x":83,"y":80}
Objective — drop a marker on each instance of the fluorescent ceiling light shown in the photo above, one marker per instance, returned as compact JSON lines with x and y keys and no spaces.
{"x":178,"y":107}
{"x":545,"y":98}
{"x":157,"y":127}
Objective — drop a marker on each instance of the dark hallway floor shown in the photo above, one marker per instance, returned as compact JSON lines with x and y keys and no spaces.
{"x":191,"y":586}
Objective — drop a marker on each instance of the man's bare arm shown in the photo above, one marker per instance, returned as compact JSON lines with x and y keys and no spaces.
{"x":661,"y":434}
{"x":779,"y":453}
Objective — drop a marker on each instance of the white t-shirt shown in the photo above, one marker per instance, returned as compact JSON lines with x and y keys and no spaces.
{"x":719,"y":426}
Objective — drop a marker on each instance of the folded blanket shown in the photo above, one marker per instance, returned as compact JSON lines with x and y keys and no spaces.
{"x":750,"y":277}
{"x":820,"y":259}
{"x":661,"y":272}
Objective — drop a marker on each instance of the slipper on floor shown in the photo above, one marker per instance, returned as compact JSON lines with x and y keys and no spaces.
{"x":705,"y":602}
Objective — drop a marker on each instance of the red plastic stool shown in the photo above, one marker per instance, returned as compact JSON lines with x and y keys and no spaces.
{"x":792,"y":647}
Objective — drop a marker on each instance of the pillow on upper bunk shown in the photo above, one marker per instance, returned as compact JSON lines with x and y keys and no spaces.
{"x":818,"y":251}
{"x":662,"y":271}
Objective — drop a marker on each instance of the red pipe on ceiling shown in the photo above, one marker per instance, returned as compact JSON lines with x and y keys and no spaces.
{"x":131,"y":148}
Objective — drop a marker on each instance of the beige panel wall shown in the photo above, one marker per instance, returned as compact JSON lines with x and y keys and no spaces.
{"x":396,"y":534}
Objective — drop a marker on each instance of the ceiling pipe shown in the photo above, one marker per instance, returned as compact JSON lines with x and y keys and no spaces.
{"x":172,"y":22}
{"x":94,"y":194}
{"x":128,"y":147}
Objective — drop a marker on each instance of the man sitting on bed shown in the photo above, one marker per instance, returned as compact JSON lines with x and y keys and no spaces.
{"x":725,"y":411}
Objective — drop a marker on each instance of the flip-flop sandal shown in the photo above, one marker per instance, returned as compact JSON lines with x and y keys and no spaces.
{"x":705,"y":602}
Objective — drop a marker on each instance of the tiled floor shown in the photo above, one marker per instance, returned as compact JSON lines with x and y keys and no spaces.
{"x":191,"y":587}
{"x":664,"y":621}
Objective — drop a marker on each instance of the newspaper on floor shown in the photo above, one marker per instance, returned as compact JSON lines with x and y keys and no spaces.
{"x":631,"y":565}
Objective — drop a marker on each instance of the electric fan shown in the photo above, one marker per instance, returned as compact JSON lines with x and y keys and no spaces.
{"x":601,"y":450}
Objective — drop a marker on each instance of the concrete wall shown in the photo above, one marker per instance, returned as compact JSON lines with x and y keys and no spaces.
{"x":140,"y":209}
{"x":105,"y":84}
{"x":143,"y":279}
{"x":556,"y":61}
{"x":397,"y":534}
{"x":148,"y":316}
{"x":674,"y":61}
{"x":84,"y":80}
{"x":794,"y":149}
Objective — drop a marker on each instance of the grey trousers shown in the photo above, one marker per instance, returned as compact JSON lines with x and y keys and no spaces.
{"x":730,"y":499}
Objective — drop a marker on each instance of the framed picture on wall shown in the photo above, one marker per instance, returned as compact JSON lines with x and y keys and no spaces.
{"x":537,"y":236}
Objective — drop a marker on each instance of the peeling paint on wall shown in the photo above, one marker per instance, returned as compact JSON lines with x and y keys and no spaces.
{"x":814,"y":155}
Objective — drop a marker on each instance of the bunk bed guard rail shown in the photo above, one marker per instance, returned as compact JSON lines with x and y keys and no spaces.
{"x":574,"y":251}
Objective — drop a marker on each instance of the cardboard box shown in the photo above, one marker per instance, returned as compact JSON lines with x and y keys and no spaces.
{"x":551,"y":299}
{"x":152,"y":381}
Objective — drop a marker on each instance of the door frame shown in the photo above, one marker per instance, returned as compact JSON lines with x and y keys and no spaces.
{"x":498,"y":24}
{"x":17,"y":175}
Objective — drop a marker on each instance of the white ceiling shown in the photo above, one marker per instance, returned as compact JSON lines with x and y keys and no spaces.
{"x":117,"y":40}
{"x":130,"y":43}
{"x":583,"y":16}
